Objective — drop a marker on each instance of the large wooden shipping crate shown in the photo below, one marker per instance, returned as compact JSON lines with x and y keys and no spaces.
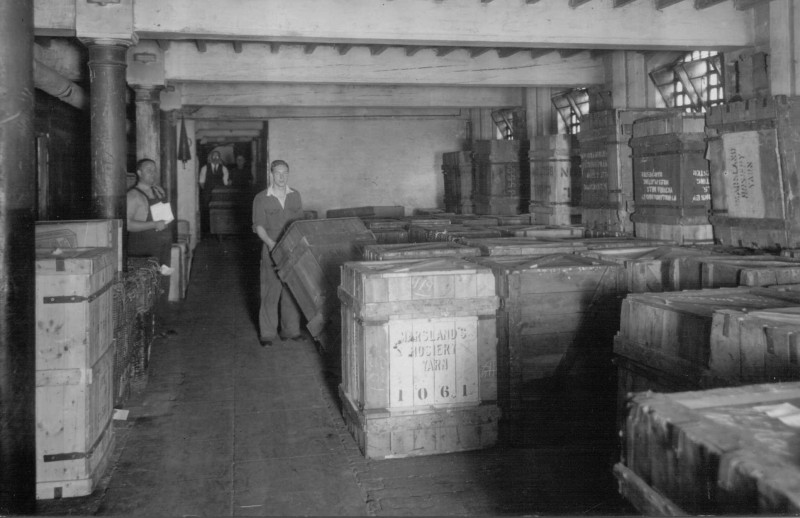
{"x":678,"y":341}
{"x":457,"y":170}
{"x":555,"y":179}
{"x":646,"y":268}
{"x":419,"y":356}
{"x":74,"y":367}
{"x":726,"y":451}
{"x":542,"y":231}
{"x":727,"y":270}
{"x":381,"y":252}
{"x":370,"y":211}
{"x":754,"y":155}
{"x":527,"y":246}
{"x":502,"y":181}
{"x":671,"y":186}
{"x":457,"y":233}
{"x":83,"y":233}
{"x":556,"y":312}
{"x":606,"y":170}
{"x":308,"y":258}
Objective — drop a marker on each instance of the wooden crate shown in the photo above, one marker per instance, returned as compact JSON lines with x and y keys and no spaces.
{"x":555,"y":178}
{"x":74,"y":364}
{"x":391,"y":236}
{"x":718,"y":452}
{"x":756,"y":346}
{"x":457,"y":171}
{"x":556,"y":312}
{"x":606,"y":169}
{"x":672,"y":190}
{"x":308,"y":259}
{"x":429,"y":233}
{"x":542,"y":231}
{"x":515,"y":219}
{"x":384,"y":223}
{"x":370,"y":211}
{"x":502,"y":181}
{"x":753,"y":154}
{"x":727,"y":270}
{"x":646,"y":268}
{"x":600,"y":243}
{"x":73,"y":307}
{"x":426,"y":221}
{"x":86,"y":233}
{"x":527,"y":246}
{"x":418,"y":340}
{"x":381,"y":252}
{"x":672,"y":331}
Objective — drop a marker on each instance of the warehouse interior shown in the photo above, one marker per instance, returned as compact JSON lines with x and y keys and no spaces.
{"x":399,"y":116}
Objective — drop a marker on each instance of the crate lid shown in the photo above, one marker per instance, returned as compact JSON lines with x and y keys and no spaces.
{"x":70,"y":261}
{"x":410,"y":267}
{"x":515,"y":263}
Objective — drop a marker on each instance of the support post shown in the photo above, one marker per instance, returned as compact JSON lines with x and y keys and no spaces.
{"x":109,"y":145}
{"x":169,"y":160}
{"x":17,"y":274}
{"x":148,"y":127}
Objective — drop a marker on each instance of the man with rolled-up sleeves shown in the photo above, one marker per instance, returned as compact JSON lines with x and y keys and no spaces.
{"x":274,"y":209}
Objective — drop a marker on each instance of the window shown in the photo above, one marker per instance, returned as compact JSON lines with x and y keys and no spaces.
{"x":694,"y":82}
{"x":572,"y":105}
{"x":510,"y":124}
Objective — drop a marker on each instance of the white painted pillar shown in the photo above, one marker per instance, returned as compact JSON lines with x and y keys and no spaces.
{"x":188,"y":191}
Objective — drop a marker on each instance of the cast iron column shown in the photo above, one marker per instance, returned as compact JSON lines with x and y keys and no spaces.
{"x":107,"y":66}
{"x":17,"y":277}
{"x":148,"y":127}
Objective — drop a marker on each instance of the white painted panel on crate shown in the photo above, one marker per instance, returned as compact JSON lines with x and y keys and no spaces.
{"x":742,"y":175}
{"x":433,"y":361}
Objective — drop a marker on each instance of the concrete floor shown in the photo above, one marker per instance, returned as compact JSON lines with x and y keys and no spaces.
{"x":226,"y":427}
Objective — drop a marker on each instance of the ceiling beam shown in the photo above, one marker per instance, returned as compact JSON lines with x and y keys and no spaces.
{"x":343,"y":49}
{"x":347,"y":96}
{"x":552,"y":24}
{"x":537,"y":53}
{"x":568,"y":53}
{"x":260,"y":113}
{"x":201,"y":45}
{"x":443,"y":51}
{"x":505,"y":52}
{"x":576,"y":3}
{"x":274,"y":47}
{"x":743,"y":5}
{"x":237,"y":47}
{"x":620,"y":3}
{"x":309,"y":48}
{"x":163,"y":44}
{"x":292,"y":65}
{"x":410,"y":51}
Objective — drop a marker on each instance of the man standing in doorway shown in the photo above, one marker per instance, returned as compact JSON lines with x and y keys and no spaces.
{"x":273,"y":210}
{"x":212,"y":175}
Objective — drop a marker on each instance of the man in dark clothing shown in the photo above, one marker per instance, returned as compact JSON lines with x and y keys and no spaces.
{"x":148,"y":236}
{"x":273,"y":210}
{"x":213,"y":174}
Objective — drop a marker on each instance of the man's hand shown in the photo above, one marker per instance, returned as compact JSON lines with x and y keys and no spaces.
{"x":160,"y":225}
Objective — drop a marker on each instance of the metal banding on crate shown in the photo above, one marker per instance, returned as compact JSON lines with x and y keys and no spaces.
{"x":672,"y":190}
{"x":419,"y":356}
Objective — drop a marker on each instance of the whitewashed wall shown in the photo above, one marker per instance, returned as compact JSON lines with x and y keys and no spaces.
{"x":339,"y":163}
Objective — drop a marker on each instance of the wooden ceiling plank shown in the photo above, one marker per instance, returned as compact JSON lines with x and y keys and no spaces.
{"x":661,"y":4}
{"x":703,"y":4}
{"x":377,"y":50}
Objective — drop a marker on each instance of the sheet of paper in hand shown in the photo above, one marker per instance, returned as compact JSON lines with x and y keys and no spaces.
{"x":161,"y":211}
